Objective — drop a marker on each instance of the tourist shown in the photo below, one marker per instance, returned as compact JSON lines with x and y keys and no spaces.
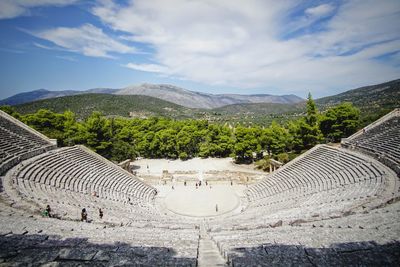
{"x":47,"y":211}
{"x":100,"y":213}
{"x":206,"y":183}
{"x":184,"y":183}
{"x":216,"y":207}
{"x":84,"y":215}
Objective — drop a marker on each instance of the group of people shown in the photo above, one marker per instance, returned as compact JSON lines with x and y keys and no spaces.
{"x":84,"y":216}
{"x":198,"y":184}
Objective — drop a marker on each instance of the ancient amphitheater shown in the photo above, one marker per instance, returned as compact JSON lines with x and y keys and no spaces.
{"x":332,"y":206}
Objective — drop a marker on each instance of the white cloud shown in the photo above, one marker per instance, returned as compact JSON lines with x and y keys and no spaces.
{"x":239,"y":43}
{"x":14,"y":8}
{"x":147,"y":67}
{"x":319,"y":11}
{"x":87,"y":40}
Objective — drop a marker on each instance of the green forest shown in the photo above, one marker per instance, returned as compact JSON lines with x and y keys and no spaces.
{"x":118,"y":138}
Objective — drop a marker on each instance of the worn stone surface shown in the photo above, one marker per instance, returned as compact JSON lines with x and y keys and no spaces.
{"x":329,"y":207}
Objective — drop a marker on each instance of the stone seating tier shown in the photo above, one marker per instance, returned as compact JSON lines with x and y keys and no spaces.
{"x":73,"y":178}
{"x":326,"y":181}
{"x":18,"y":143}
{"x":330,"y":206}
{"x":78,"y":170}
{"x":380,"y":140}
{"x":322,"y":168}
{"x":337,"y":241}
{"x":29,"y":240}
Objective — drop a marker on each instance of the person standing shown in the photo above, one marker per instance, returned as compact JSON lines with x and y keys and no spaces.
{"x":100,"y":213}
{"x":84,"y":215}
{"x":47,"y":211}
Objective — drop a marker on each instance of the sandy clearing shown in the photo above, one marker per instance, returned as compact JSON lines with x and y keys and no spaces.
{"x":156,"y":166}
{"x":201,"y":201}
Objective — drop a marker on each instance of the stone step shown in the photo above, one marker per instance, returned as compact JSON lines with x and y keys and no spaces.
{"x":208,"y":251}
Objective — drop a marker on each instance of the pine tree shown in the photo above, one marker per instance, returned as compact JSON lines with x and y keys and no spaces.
{"x":312,"y":112}
{"x":306,"y":131}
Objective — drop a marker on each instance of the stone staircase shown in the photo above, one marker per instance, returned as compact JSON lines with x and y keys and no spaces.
{"x":208,"y":254}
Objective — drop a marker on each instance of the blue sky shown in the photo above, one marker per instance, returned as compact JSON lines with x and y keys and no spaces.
{"x":225,"y":46}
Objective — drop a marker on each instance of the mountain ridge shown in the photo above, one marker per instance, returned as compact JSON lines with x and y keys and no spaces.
{"x":370,"y":99}
{"x":170,"y":93}
{"x":373,"y":101}
{"x":193,"y":99}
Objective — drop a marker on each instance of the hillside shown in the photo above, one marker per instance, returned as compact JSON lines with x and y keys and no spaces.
{"x":170,"y":93}
{"x":144,"y":106}
{"x":35,"y":95}
{"x":373,"y":101}
{"x":110,"y":105}
{"x":258,"y":113}
{"x":40,"y":94}
{"x":193,"y":99}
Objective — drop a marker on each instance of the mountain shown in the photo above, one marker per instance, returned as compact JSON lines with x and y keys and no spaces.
{"x":373,"y":100}
{"x":264,"y":98}
{"x":259,"y":113}
{"x":193,"y":99}
{"x":165,"y":92}
{"x":35,"y":95}
{"x":172,"y":94}
{"x":262,"y":108}
{"x":145,"y":106}
{"x":111,"y":105}
{"x":100,"y":91}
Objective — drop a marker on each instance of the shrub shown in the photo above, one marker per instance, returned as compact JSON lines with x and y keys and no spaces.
{"x":183,"y":156}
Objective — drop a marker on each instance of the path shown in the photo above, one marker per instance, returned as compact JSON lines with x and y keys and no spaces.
{"x":208,"y":251}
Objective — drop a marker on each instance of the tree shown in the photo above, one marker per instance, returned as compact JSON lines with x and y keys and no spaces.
{"x":165,"y":142}
{"x":309,"y":128}
{"x":47,"y":122}
{"x":264,"y":163}
{"x":275,"y":139}
{"x":97,"y":134}
{"x":71,"y":129}
{"x":283,"y":157}
{"x":121,"y":151}
{"x":186,"y":141}
{"x":246,"y":143}
{"x":10,"y":111}
{"x":312,"y":112}
{"x":183,"y":156}
{"x":340,"y":121}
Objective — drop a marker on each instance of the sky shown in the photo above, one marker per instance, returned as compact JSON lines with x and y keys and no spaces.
{"x":213,"y":46}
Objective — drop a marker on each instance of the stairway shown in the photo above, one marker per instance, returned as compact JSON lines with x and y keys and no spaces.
{"x":208,"y":251}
